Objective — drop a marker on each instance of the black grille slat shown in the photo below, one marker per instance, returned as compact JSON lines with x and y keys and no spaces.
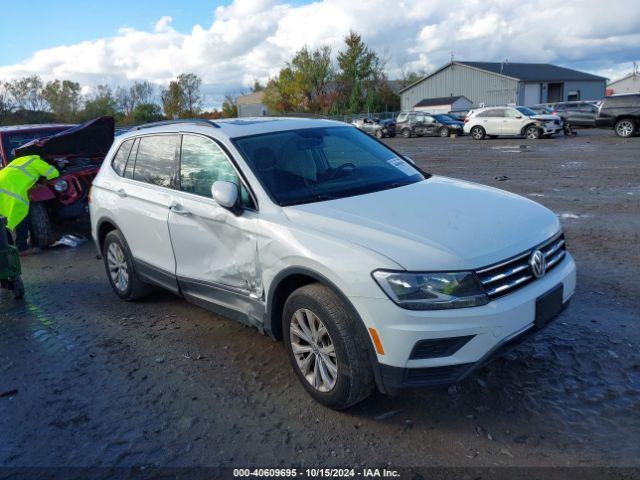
{"x":510,"y":275}
{"x":438,"y":347}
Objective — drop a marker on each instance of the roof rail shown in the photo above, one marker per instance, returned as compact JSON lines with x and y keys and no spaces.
{"x":180,"y":120}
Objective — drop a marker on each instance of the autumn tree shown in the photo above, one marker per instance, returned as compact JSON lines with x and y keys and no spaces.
{"x":101,"y":104}
{"x":183,"y":99}
{"x":26,"y":93}
{"x":63,"y":98}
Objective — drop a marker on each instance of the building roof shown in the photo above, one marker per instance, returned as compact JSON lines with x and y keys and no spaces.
{"x":533,"y":72}
{"x":431,"y":102}
{"x":631,"y":75}
{"x":527,"y":72}
{"x":250,"y":98}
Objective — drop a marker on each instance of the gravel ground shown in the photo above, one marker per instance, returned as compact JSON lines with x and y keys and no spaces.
{"x":88,"y":380}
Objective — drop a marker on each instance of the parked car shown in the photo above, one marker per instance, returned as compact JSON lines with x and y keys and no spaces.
{"x":376,"y":127}
{"x":510,"y":121}
{"x":371,"y":271}
{"x":577,"y":114}
{"x":620,"y":112}
{"x":459,"y":115}
{"x":419,"y":124}
{"x":76,"y":150}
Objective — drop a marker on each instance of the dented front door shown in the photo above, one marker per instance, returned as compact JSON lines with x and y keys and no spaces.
{"x":215,"y":250}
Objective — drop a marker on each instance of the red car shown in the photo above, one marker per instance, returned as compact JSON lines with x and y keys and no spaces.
{"x":76,"y":151}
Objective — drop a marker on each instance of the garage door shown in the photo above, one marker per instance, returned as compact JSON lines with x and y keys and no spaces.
{"x":531,"y":94}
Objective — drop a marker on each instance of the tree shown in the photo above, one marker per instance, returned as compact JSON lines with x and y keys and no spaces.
{"x":6,"y":106}
{"x":64,"y":98}
{"x":257,"y":86}
{"x":26,"y":93}
{"x":102,"y":103}
{"x":313,"y":70}
{"x":230,"y":106}
{"x":282,"y":93}
{"x":128,"y":99}
{"x":146,"y":112}
{"x":359,"y":72}
{"x":183,"y":99}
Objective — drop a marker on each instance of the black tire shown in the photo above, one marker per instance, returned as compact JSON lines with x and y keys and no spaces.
{"x":625,"y":128}
{"x":405,"y":132}
{"x":354,"y":380}
{"x":40,"y":231}
{"x":478,"y":133}
{"x":135,"y":288}
{"x":379,"y":134}
{"x":532,"y":132}
{"x":444,"y":132}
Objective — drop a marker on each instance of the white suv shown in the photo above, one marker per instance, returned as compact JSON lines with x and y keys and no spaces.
{"x":373,"y":272}
{"x":510,"y":121}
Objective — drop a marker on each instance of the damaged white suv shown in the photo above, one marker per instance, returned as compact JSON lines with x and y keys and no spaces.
{"x":373,"y":272}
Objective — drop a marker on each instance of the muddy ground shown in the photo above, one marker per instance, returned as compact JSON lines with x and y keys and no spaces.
{"x":88,"y":380}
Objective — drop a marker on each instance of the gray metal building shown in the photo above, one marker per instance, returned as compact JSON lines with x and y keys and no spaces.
{"x":499,"y":83}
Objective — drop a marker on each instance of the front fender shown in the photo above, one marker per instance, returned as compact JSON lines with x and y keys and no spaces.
{"x":41,"y":193}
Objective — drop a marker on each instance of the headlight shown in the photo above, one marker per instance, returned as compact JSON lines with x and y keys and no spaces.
{"x":60,"y":186}
{"x":432,"y":291}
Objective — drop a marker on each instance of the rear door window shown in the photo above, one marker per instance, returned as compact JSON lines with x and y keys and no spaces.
{"x":155,"y":161}
{"x":119,"y":161}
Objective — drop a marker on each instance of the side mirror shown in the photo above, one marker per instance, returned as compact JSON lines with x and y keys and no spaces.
{"x":226,"y":195}
{"x":518,"y":116}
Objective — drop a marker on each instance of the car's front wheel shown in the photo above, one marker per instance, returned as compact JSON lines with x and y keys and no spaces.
{"x":40,"y":230}
{"x":625,"y":128}
{"x":120,"y":268}
{"x":325,"y":348}
{"x":405,"y":132}
{"x":443,"y":132}
{"x":532,"y":132}
{"x":478,"y":133}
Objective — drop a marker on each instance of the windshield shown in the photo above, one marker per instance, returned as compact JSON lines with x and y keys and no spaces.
{"x":14,"y":140}
{"x":444,"y":118}
{"x":316,"y":164}
{"x":526,"y":111}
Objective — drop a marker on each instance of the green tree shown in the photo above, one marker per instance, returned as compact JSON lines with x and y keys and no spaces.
{"x":358,"y":76}
{"x":230,"y":106}
{"x":146,"y":112}
{"x":172,"y":102}
{"x":101,"y":104}
{"x":128,"y":99}
{"x":313,"y":70}
{"x":282,"y":94}
{"x":26,"y":93}
{"x":183,"y":99}
{"x":64,"y":98}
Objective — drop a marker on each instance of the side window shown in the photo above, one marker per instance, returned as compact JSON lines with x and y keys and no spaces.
{"x":511,"y":113}
{"x":429,"y":119}
{"x":156,"y":159}
{"x":128,"y":171}
{"x":202,"y":162}
{"x":120,"y":158}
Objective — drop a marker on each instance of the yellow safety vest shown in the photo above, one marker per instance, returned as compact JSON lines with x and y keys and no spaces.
{"x":16,"y":179}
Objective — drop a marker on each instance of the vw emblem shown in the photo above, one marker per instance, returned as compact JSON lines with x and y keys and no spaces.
{"x":538,"y":263}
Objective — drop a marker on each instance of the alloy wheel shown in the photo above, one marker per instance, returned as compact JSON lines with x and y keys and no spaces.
{"x":313,"y":350}
{"x":118,"y":268}
{"x":624,"y":128}
{"x":444,"y":132}
{"x":477,"y":133}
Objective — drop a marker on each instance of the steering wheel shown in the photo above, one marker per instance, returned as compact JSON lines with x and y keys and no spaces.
{"x":335,"y":171}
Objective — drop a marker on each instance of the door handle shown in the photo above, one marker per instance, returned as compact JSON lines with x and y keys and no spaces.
{"x":179,"y":210}
{"x":121,"y":193}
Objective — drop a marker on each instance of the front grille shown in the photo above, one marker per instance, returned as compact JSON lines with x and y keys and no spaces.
{"x":508,"y":276}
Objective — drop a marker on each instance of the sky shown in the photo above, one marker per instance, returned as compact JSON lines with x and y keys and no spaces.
{"x":231,"y":43}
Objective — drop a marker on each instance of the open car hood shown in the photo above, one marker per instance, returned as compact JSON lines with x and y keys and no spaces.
{"x":89,"y":139}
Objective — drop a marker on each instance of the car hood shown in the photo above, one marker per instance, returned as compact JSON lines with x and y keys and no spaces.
{"x":436,"y":224}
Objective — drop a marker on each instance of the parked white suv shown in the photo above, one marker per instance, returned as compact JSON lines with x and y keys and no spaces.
{"x":510,"y":121}
{"x":373,"y":272}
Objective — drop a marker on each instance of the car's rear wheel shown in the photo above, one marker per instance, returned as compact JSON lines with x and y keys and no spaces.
{"x":444,"y":132}
{"x":324,"y":347}
{"x":120,"y":268}
{"x":625,"y":128}
{"x":532,"y":132}
{"x":405,"y":132}
{"x":478,"y":133}
{"x":40,"y":231}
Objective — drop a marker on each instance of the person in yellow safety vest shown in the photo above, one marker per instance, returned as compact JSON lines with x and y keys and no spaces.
{"x":16,"y":179}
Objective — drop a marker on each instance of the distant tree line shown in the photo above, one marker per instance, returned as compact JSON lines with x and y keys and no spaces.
{"x":30,"y":100}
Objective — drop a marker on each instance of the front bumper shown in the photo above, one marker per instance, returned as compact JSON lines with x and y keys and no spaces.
{"x":502,"y":322}
{"x":551,"y":128}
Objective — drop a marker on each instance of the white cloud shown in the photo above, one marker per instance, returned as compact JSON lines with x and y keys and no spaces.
{"x":250,"y":39}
